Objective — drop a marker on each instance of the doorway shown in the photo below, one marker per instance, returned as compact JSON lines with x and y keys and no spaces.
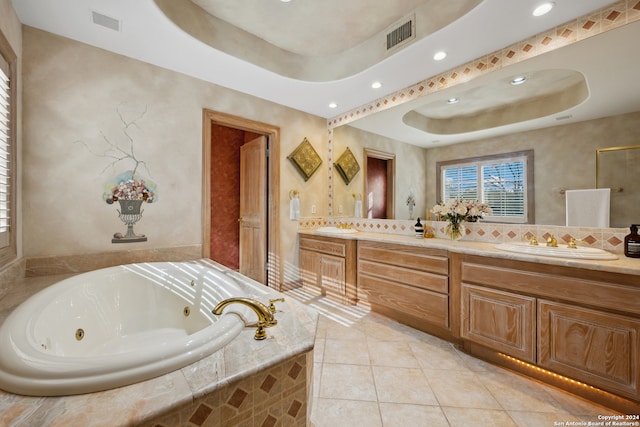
{"x":247,"y":242}
{"x":380,"y":173}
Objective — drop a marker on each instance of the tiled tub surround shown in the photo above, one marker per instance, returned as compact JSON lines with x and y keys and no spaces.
{"x":609,"y":239}
{"x":247,"y":382}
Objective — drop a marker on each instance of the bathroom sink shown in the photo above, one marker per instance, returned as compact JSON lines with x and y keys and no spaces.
{"x":335,"y":230}
{"x":559,"y":252}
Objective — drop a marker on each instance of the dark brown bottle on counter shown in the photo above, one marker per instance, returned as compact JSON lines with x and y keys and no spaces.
{"x":632,"y":243}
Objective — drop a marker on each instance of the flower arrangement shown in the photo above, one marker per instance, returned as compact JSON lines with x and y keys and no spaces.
{"x":456,"y":211}
{"x":127,"y":187}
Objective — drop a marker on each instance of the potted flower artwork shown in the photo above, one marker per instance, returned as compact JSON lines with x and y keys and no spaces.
{"x":130,"y":191}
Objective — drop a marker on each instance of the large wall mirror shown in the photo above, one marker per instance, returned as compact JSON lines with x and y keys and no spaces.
{"x":570,"y":106}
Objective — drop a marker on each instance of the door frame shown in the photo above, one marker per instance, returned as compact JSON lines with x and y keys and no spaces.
{"x":210,"y":117}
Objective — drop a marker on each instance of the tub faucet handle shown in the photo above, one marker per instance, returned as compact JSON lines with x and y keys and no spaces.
{"x":272,"y":306}
{"x":265,"y":316}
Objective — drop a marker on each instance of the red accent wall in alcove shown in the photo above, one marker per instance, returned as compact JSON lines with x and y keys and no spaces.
{"x":225,"y":193}
{"x":377,"y":184}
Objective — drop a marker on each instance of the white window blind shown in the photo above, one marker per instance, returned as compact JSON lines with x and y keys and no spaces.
{"x":5,"y":151}
{"x":503,"y":189}
{"x":501,"y":183}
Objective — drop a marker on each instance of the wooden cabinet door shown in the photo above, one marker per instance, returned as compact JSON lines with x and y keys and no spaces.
{"x":309,"y":269}
{"x":332,"y":275}
{"x":500,"y":320}
{"x":600,"y":349}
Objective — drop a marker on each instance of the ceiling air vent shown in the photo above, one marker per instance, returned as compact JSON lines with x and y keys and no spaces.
{"x":105,"y":21}
{"x":402,"y":33}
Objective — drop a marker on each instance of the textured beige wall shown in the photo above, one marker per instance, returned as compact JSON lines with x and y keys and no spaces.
{"x":410,"y":171}
{"x":72,"y":93}
{"x":564,"y":157}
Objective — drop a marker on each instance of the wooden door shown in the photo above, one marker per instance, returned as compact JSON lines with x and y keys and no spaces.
{"x":253,"y":209}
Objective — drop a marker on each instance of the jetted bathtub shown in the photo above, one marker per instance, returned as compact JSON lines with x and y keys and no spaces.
{"x":117,"y":326}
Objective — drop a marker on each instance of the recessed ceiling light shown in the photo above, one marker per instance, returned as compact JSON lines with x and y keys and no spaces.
{"x":285,"y":1}
{"x":453,"y":101}
{"x":518,"y":80}
{"x":376,"y":85}
{"x":543,"y":9}
{"x":439,"y":56}
{"x":333,"y":105}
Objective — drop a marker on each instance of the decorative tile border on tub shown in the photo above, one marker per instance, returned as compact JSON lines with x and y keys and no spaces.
{"x":610,"y":239}
{"x":280,"y":395}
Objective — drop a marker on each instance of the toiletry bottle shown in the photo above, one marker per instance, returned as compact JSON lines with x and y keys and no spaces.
{"x":419,"y":229}
{"x":428,"y":229}
{"x":632,"y":243}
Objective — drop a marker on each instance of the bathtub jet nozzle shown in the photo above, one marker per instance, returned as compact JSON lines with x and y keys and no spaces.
{"x":265,"y":316}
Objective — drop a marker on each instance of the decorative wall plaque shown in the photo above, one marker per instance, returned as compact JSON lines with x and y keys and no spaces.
{"x":347,"y":166}
{"x":305,"y":159}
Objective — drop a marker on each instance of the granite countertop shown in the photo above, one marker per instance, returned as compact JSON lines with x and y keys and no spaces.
{"x":622,"y":265}
{"x":294,"y":335}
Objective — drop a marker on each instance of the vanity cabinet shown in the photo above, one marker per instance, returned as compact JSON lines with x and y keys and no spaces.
{"x":581,"y":324}
{"x":406,"y":283}
{"x":327,"y":266}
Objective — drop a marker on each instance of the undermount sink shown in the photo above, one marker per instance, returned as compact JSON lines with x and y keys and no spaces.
{"x":559,"y":252}
{"x":335,"y":230}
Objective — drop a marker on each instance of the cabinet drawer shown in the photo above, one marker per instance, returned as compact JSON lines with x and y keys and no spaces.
{"x":600,"y":349}
{"x":417,"y":278}
{"x":318,"y":244}
{"x":551,"y":283}
{"x":425,"y":305}
{"x":500,"y":320}
{"x":416,"y":258}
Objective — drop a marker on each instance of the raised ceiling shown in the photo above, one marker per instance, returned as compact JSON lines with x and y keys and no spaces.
{"x":312,"y":41}
{"x":148,"y":35}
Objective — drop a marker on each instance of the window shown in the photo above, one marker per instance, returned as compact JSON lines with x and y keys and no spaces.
{"x":7,"y":149}
{"x":504,"y":182}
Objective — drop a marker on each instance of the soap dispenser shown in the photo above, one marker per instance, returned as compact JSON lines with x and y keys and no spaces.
{"x":419,"y":229}
{"x":632,"y":243}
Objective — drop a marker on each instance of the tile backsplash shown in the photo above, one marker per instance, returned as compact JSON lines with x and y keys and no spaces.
{"x":610,"y":239}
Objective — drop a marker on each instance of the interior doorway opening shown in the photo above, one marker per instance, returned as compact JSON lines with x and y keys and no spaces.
{"x":230,"y":236}
{"x":380,"y":175}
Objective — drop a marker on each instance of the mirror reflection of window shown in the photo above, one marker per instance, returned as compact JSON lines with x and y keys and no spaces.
{"x":503,"y":181}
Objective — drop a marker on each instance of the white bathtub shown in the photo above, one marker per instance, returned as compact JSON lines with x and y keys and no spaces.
{"x":116,"y":326}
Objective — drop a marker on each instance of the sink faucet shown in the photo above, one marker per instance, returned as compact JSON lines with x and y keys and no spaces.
{"x":552,"y":242}
{"x":265,"y":315}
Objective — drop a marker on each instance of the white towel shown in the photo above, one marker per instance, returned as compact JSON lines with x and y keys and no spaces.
{"x":588,"y":208}
{"x":357,"y":209}
{"x":294,"y":209}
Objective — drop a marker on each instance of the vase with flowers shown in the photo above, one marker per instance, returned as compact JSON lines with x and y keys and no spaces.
{"x":456,"y":211}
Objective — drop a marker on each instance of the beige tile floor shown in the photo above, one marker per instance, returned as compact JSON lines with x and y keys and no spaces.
{"x":370,"y":371}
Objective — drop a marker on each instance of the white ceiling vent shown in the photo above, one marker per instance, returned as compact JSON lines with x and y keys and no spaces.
{"x":105,"y":21}
{"x":401,"y":33}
